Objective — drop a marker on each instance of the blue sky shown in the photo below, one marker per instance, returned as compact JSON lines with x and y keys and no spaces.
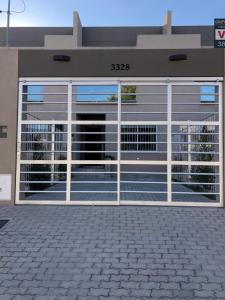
{"x":113,"y":12}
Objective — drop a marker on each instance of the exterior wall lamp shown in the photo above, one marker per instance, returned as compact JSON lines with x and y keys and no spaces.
{"x":64,"y":58}
{"x":178,"y":57}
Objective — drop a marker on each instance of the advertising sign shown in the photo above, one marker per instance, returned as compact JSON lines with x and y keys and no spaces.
{"x":219,"y":33}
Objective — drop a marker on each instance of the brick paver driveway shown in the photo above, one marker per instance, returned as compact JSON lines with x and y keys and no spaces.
{"x":112,"y":253}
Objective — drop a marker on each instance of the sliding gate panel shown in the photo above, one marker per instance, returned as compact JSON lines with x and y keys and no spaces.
{"x":111,"y":142}
{"x":196,"y":143}
{"x":94,"y":143}
{"x":144,"y":131}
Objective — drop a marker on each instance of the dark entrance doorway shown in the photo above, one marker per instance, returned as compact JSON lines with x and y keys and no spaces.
{"x":92,"y":138}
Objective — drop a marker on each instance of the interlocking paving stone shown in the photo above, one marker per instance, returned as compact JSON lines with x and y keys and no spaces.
{"x":105,"y":253}
{"x":6,"y":297}
{"x":24,"y":297}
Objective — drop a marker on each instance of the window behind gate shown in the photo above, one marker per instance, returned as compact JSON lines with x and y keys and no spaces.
{"x":138,"y":138}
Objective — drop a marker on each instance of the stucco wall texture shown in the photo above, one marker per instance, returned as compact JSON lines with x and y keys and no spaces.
{"x":8,"y":114}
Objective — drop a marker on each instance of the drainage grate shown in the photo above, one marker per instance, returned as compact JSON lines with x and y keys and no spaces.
{"x":3,"y":222}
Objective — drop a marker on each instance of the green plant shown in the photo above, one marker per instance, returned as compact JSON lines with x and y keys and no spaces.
{"x":130,"y":90}
{"x":177,"y":170}
{"x":202,"y":173}
{"x":43,"y":170}
{"x":62,"y":168}
{"x":128,"y":93}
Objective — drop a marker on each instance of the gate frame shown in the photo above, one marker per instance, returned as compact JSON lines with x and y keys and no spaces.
{"x":120,"y":81}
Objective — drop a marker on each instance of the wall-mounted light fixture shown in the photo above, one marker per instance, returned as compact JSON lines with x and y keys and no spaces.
{"x":60,"y":57}
{"x":3,"y":131}
{"x":178,"y":57}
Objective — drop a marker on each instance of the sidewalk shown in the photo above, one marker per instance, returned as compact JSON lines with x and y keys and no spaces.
{"x":52,"y":252}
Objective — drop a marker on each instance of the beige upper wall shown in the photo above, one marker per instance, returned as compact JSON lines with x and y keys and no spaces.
{"x":166,"y":40}
{"x":8,"y":113}
{"x":77,"y":29}
{"x":60,"y":42}
{"x":167,"y":26}
{"x":175,"y":41}
{"x":66,"y":41}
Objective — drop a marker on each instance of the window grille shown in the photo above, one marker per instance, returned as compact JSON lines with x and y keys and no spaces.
{"x":138,"y":138}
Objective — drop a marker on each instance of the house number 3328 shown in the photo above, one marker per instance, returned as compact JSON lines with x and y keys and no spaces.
{"x":120,"y":67}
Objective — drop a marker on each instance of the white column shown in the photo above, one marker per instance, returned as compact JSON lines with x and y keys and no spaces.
{"x":169,"y":143}
{"x":189,"y":149}
{"x":69,"y":143}
{"x":221,"y":143}
{"x":118,"y":143}
{"x":52,"y":150}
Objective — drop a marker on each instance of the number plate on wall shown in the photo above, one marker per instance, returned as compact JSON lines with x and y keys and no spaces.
{"x":5,"y":187}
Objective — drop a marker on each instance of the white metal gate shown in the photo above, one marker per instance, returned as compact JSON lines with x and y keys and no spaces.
{"x":118,"y":141}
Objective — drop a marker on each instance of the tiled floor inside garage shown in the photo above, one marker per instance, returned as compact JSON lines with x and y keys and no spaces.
{"x":104,"y":253}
